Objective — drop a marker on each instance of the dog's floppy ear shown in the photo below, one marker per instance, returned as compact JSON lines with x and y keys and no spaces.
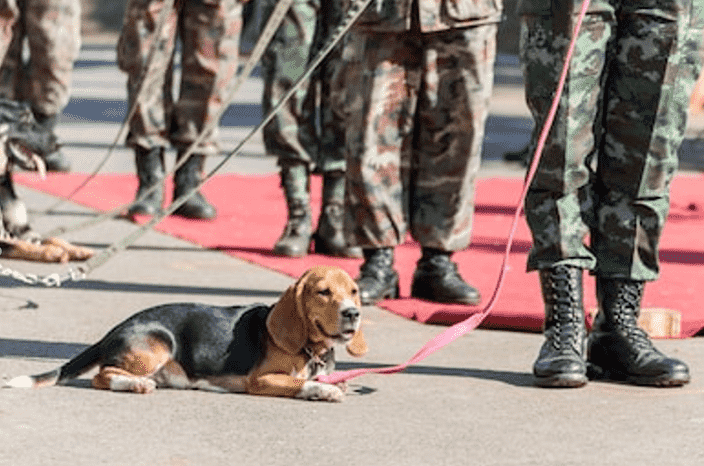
{"x":285,"y":323}
{"x":357,"y":346}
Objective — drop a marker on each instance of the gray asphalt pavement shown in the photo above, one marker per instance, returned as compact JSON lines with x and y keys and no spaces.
{"x":471,"y":403}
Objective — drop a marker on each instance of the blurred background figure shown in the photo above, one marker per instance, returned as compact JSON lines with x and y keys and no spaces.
{"x":306,"y":135}
{"x":40,"y":43}
{"x":208,"y":34}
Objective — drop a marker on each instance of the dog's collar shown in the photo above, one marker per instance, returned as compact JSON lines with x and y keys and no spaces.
{"x":317,"y":358}
{"x":318,"y":361}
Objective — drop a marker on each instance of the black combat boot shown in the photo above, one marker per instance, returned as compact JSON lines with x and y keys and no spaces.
{"x":185,"y":179}
{"x":436,"y":279}
{"x":296,"y":237}
{"x":618,"y":349}
{"x":561,"y":361}
{"x":150,"y":172}
{"x":55,"y":161}
{"x":329,"y":236}
{"x":377,"y":278}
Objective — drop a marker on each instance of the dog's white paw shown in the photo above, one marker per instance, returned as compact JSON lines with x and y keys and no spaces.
{"x":121,"y":383}
{"x":321,"y":392}
{"x":23,"y":381}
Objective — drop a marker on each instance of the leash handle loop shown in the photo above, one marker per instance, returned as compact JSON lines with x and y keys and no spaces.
{"x":472,"y":322}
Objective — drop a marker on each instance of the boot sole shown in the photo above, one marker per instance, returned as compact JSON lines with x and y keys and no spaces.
{"x":141,"y":210}
{"x":664,"y":381}
{"x":287,"y":253}
{"x":320,"y":247}
{"x":471,"y":302}
{"x":390,"y":294}
{"x":562,"y":381}
{"x":194,"y":216}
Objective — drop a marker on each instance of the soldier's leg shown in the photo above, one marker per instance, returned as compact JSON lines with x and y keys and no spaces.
{"x":652,"y":63}
{"x":150,"y":93}
{"x":210,"y":32}
{"x":290,"y":135}
{"x":452,"y":111}
{"x":9,"y":14}
{"x":13,"y":37}
{"x":380,"y":106}
{"x":52,"y":28}
{"x":559,"y":203}
{"x":329,"y":235}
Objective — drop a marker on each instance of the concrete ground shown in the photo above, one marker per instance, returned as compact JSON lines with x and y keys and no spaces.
{"x":471,"y":403}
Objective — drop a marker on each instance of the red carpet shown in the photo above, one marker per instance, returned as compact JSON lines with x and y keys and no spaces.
{"x":252,"y":214}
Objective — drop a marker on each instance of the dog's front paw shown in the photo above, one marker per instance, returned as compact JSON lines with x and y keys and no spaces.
{"x":75,"y":253}
{"x":18,"y":249}
{"x":317,"y":391}
{"x":121,"y":383}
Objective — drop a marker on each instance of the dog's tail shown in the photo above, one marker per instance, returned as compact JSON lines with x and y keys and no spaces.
{"x":80,"y":364}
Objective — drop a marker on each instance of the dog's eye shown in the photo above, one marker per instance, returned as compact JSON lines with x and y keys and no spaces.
{"x":325,"y":292}
{"x":355,"y":291}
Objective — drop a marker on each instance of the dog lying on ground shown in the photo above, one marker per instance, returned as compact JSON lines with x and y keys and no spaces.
{"x":22,"y":143}
{"x":262,"y":350}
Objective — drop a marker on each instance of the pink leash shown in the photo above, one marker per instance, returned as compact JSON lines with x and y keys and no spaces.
{"x":461,"y":328}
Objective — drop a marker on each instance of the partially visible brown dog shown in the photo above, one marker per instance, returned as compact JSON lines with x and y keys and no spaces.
{"x":262,"y":350}
{"x":22,"y":143}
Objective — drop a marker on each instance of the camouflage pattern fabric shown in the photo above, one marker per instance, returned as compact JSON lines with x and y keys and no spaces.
{"x":415,"y":109}
{"x":307,"y":129}
{"x":291,"y":134}
{"x":431,"y":15}
{"x":9,"y":12}
{"x":329,"y":84}
{"x":52,"y":31}
{"x":612,"y":152}
{"x":209,"y":32}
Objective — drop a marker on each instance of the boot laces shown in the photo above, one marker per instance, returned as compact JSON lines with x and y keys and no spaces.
{"x":565,"y":330}
{"x":625,"y":314}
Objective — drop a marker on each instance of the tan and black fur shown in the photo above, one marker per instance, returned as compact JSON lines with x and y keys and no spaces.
{"x":262,"y":350}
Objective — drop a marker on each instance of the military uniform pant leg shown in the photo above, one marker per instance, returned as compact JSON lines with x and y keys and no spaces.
{"x":291,"y":134}
{"x":559,"y":204}
{"x":9,"y":16}
{"x":53,"y":29}
{"x":638,"y":157}
{"x":148,"y":127}
{"x":331,"y":147}
{"x":210,"y":31}
{"x":383,"y":78}
{"x":452,"y":109}
{"x":624,"y":203}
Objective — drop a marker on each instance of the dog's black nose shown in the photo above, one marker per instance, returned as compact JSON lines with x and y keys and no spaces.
{"x":351,"y":313}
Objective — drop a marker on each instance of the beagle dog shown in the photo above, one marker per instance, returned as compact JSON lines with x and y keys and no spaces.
{"x":22,"y":143}
{"x":262,"y":350}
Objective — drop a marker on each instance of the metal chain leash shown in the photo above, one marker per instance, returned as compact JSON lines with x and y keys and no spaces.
{"x":91,"y":264}
{"x":54,"y":279}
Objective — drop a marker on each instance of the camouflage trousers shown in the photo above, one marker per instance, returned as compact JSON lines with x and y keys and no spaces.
{"x":612,"y":152}
{"x":306,"y":129}
{"x":209,"y":34}
{"x":415,"y":108}
{"x":52,"y":29}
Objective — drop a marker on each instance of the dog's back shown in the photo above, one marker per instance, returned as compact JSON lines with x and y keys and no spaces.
{"x":204,"y":340}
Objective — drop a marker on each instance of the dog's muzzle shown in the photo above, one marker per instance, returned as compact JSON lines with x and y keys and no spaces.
{"x":350,"y":318}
